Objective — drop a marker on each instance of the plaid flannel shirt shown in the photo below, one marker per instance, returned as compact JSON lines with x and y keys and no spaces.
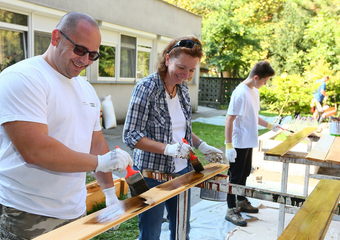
{"x":148,"y":116}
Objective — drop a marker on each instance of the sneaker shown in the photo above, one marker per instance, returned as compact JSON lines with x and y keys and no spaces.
{"x":245,"y":206}
{"x":233,"y":215}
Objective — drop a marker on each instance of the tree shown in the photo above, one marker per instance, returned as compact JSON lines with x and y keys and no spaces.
{"x":225,"y":38}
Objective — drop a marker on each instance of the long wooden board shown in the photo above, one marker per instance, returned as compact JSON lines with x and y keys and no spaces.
{"x":286,"y":145}
{"x":334,"y":152}
{"x":321,"y":148}
{"x":98,"y":222}
{"x":313,"y":218}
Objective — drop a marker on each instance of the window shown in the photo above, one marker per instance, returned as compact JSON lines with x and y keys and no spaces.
{"x":143,"y":61}
{"x":13,"y":43}
{"x":14,"y":18}
{"x":128,"y":57}
{"x":41,"y":42}
{"x":107,"y":61}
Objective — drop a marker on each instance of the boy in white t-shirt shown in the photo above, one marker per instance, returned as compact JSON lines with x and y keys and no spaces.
{"x":241,"y":134}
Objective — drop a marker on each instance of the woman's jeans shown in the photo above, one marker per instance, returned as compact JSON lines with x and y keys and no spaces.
{"x":150,"y":221}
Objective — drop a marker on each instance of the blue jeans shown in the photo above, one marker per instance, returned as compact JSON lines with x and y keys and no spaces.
{"x":150,"y":221}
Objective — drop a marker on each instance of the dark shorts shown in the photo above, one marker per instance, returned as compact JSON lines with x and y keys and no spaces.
{"x":20,"y":225}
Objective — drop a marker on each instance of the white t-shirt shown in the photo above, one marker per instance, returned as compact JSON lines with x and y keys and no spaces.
{"x":178,"y":128}
{"x":33,"y":91}
{"x":245,"y":104}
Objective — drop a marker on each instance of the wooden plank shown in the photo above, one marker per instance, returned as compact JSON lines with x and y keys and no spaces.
{"x":321,"y":148}
{"x":100,"y":221}
{"x":286,"y":145}
{"x":313,"y":218}
{"x":334,"y":152}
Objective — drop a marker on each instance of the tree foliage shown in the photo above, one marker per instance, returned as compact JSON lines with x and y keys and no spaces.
{"x":300,"y":38}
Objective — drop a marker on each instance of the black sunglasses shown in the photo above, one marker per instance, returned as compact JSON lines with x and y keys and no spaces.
{"x":81,"y":51}
{"x":187,"y":44}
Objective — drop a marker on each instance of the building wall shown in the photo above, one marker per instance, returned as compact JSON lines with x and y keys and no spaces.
{"x":153,"y":16}
{"x":152,"y":22}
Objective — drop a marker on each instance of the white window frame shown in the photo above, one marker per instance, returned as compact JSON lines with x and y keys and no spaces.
{"x":143,"y":49}
{"x":109,"y":79}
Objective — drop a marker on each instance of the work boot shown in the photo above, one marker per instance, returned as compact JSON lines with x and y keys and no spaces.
{"x":245,"y":206}
{"x":233,"y":215}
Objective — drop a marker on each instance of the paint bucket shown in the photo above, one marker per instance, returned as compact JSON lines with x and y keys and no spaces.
{"x":334,"y":127}
{"x":212,"y":195}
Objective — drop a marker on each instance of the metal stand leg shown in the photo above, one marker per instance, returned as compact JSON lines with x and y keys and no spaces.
{"x":307,"y":171}
{"x":181,"y":223}
{"x":306,"y":184}
{"x":284,"y":184}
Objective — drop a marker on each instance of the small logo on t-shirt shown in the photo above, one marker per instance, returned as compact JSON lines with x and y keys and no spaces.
{"x":89,"y":104}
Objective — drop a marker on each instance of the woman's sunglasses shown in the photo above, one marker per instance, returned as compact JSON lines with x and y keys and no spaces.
{"x":187,"y":44}
{"x":81,"y":51}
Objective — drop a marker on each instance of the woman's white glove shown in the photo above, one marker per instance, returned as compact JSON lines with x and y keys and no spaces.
{"x":115,"y":160}
{"x":179,"y":150}
{"x":110,"y":199}
{"x":273,"y":126}
{"x":211,"y":154}
{"x":230,"y":152}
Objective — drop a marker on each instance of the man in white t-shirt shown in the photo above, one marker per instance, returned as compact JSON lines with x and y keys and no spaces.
{"x":50,"y":134}
{"x":241,"y":135}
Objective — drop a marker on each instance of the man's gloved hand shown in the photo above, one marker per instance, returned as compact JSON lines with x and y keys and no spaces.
{"x":179,"y":150}
{"x":115,"y":160}
{"x":230,"y":152}
{"x":211,"y":154}
{"x":110,"y":196}
{"x":273,"y":126}
{"x":110,"y":199}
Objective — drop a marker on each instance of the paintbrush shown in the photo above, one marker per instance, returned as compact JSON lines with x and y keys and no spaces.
{"x":136,"y":181}
{"x":286,"y":129}
{"x":194,"y":161}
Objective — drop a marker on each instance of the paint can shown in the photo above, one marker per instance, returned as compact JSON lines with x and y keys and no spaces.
{"x":334,"y":127}
{"x":212,"y":195}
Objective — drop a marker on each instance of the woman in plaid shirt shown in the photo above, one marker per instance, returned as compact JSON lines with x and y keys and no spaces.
{"x":159,"y":116}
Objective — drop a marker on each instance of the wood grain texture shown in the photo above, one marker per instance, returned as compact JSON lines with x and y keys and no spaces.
{"x":286,"y":145}
{"x":313,"y":218}
{"x":321,"y":148}
{"x":98,"y":222}
{"x":334,"y":152}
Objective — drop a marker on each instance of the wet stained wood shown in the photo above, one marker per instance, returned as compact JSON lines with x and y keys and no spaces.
{"x":98,"y":222}
{"x":286,"y":145}
{"x":334,"y":153}
{"x":313,"y":218}
{"x":321,"y":148}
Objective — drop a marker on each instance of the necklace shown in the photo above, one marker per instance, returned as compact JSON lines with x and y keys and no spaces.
{"x":170,"y":94}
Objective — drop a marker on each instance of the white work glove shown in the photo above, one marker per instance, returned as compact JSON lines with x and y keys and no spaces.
{"x":115,"y":160}
{"x":273,"y":126}
{"x":179,"y":150}
{"x":211,"y":154}
{"x":230,"y":152}
{"x":110,"y":199}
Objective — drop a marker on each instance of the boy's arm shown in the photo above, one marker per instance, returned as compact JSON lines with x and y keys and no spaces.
{"x":229,"y":122}
{"x":230,"y":152}
{"x":272,"y":126}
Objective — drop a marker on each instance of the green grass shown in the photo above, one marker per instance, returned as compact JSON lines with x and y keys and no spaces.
{"x":128,"y":230}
